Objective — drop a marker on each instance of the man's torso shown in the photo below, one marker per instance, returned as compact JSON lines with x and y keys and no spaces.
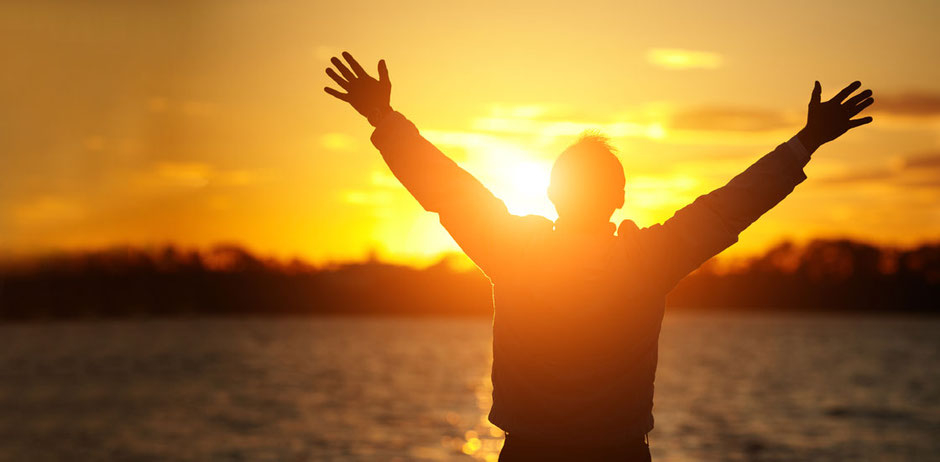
{"x":575,"y":338}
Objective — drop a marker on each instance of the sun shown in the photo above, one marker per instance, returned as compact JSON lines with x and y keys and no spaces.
{"x":514,"y":173}
{"x":524,"y":187}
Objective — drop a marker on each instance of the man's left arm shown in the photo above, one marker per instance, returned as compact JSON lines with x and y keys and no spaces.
{"x":713,"y":221}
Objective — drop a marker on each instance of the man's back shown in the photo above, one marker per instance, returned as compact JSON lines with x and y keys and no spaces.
{"x":574,"y":336}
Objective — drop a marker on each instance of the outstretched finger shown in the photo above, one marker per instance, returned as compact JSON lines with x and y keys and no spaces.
{"x":857,"y":98}
{"x":355,"y":65}
{"x":860,"y":106}
{"x":846,"y":92}
{"x":339,"y":80}
{"x":337,"y":94}
{"x":343,"y":69}
{"x":817,"y":94}
{"x":856,"y":122}
{"x":383,"y":72}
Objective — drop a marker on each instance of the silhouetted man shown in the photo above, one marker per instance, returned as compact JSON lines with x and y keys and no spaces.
{"x":578,"y":307}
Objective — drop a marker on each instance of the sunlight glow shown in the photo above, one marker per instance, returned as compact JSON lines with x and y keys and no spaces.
{"x":555,"y":128}
{"x":672,"y":58}
{"x":235,"y":141}
{"x":338,"y":142}
{"x":527,"y":188}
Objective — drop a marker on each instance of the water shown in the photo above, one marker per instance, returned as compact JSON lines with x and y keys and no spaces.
{"x":729,"y":387}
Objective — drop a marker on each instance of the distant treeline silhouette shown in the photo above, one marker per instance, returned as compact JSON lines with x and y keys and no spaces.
{"x":830,"y":275}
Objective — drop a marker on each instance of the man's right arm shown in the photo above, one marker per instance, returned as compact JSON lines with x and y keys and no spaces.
{"x":477,"y":220}
{"x":474,"y":217}
{"x":436,"y":181}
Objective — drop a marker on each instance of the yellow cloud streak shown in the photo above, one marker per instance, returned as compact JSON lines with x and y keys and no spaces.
{"x":678,"y":59}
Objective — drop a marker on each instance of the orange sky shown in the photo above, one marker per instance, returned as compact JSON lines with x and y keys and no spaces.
{"x":199,"y":122}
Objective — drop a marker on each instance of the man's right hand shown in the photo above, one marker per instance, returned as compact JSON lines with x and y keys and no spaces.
{"x":366,"y":95}
{"x":828,"y":120}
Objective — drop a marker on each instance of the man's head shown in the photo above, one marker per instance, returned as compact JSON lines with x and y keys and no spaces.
{"x":587,"y":182}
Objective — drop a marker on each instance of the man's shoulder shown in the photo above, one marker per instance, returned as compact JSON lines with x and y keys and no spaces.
{"x":536,"y":223}
{"x":629,"y":231}
{"x":640,"y":240}
{"x":531,"y":230}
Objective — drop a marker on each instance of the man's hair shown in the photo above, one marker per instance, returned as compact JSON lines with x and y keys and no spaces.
{"x":594,"y":140}
{"x":590,"y":164}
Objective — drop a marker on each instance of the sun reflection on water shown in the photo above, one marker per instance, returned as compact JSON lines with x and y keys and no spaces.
{"x":481,"y":439}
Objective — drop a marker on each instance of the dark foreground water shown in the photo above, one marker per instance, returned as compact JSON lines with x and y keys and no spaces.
{"x":729,"y":387}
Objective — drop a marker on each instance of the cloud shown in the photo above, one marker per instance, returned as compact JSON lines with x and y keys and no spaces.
{"x":47,"y":210}
{"x":913,"y":170}
{"x":928,"y":160}
{"x":384,"y":179}
{"x":191,"y":108}
{"x":861,"y":176}
{"x":726,"y":118}
{"x":338,"y":142}
{"x":199,"y":174}
{"x":909,"y":104}
{"x":923,"y":182}
{"x":237,"y":177}
{"x":190,"y":174}
{"x":547,"y":122}
{"x":526,"y":131}
{"x":678,"y":59}
{"x":371,"y":197}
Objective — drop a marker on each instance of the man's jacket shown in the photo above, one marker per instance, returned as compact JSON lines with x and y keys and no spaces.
{"x":578,"y":313}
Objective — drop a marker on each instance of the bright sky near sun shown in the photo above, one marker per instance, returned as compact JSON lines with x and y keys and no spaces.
{"x":202,"y":122}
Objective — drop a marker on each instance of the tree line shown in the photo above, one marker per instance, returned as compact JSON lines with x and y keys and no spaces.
{"x":830,"y":275}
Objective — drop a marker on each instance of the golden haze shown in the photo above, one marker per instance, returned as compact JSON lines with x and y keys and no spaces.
{"x":195,"y":123}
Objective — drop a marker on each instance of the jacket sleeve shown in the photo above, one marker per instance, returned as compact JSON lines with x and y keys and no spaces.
{"x":713,"y":221}
{"x":478,"y":221}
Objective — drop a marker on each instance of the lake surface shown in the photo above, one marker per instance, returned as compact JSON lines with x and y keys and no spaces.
{"x":730,"y":387}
